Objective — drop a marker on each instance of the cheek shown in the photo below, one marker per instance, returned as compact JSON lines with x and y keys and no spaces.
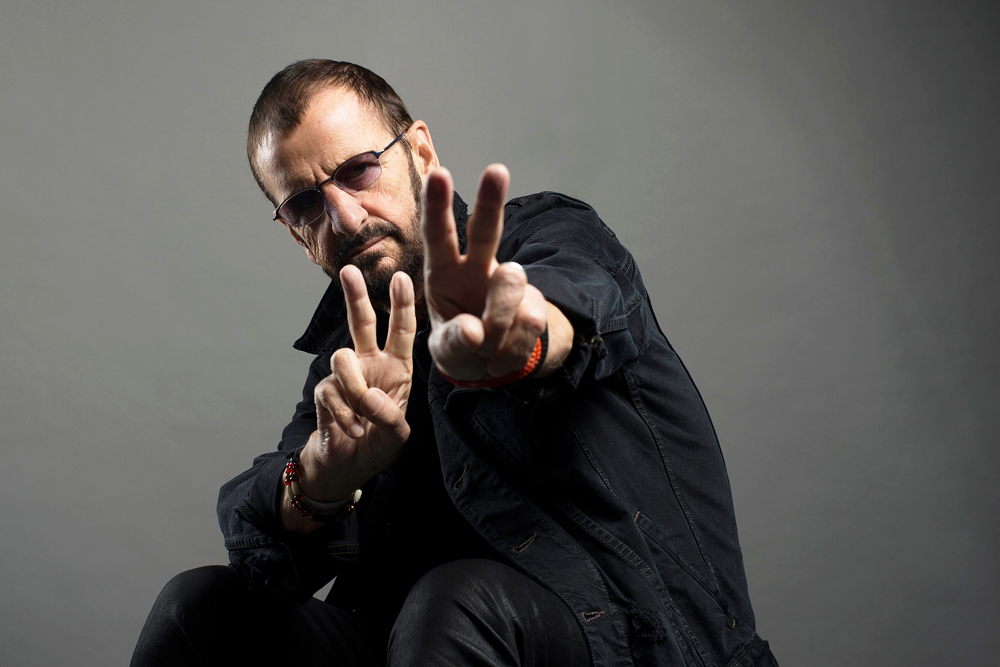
{"x":321,"y":244}
{"x":393,"y":198}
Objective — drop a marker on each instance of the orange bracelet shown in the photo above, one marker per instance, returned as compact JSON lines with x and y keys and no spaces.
{"x":534,"y":363}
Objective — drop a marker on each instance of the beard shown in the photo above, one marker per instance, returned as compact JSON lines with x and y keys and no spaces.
{"x":378,"y":276}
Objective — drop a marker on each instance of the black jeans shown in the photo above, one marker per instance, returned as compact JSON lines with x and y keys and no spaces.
{"x":467,"y":612}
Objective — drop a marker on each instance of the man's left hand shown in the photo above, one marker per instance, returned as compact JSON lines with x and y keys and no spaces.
{"x":485,"y":317}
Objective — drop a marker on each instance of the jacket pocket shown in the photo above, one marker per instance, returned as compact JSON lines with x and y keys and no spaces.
{"x":716,"y":633}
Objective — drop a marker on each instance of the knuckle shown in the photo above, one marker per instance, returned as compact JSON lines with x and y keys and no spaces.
{"x":321,"y":386}
{"x":341,"y":358}
{"x":325,"y":394}
{"x":532,"y":321}
{"x":512,"y":273}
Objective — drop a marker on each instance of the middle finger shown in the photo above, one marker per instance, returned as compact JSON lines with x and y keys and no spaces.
{"x":486,"y":224}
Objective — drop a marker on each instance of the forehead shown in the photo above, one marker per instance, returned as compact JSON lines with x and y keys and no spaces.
{"x":335,"y":126}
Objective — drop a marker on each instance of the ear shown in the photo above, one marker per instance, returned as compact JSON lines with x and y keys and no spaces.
{"x":423,"y":148}
{"x":301,"y":242}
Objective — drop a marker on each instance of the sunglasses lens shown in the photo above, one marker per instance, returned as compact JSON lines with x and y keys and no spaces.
{"x":302,"y":209}
{"x":352,"y":176}
{"x":358,"y":173}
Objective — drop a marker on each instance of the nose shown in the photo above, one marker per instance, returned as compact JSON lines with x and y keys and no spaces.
{"x":346,"y":213}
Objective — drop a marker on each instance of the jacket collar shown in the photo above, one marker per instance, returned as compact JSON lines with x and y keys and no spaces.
{"x":320,"y":336}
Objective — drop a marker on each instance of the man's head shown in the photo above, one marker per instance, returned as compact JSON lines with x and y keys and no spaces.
{"x":309,"y":119}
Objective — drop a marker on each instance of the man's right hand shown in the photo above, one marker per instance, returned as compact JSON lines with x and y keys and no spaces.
{"x":361,"y":407}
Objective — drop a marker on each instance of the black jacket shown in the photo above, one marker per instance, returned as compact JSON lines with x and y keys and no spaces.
{"x":605,"y":481}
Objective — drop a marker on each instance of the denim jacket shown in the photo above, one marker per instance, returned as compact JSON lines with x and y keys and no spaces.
{"x":605,"y":481}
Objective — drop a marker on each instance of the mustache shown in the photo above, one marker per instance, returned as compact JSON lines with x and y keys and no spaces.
{"x":370,"y":231}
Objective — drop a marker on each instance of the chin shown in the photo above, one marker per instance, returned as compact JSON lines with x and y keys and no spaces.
{"x":378,"y":270}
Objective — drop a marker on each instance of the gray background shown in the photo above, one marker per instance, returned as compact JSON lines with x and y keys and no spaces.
{"x":809,"y":188}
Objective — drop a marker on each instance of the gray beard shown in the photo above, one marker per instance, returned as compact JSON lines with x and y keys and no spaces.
{"x":378,"y":278}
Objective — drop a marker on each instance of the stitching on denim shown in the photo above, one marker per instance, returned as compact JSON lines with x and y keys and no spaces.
{"x":742,"y":654}
{"x":589,"y":616}
{"x":611,"y":541}
{"x":484,"y":432}
{"x":641,"y":409}
{"x":520,"y":548}
{"x":684,"y":644}
{"x":677,"y":560}
{"x":249,"y":542}
{"x":633,"y":303}
{"x":627,"y":269}
{"x":629,"y":555}
{"x":575,"y":432}
{"x":461,"y":478}
{"x":617,"y":324}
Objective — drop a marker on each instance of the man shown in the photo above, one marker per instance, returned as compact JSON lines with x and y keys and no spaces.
{"x":498,"y":455}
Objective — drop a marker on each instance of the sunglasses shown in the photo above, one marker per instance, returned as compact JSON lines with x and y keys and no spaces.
{"x":352,"y":175}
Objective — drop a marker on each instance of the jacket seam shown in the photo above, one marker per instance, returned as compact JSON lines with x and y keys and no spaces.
{"x":670,"y":553}
{"x":643,"y":414}
{"x":636,"y":561}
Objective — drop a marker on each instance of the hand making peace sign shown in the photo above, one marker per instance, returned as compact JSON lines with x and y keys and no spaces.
{"x":485,"y":317}
{"x":361,"y":407}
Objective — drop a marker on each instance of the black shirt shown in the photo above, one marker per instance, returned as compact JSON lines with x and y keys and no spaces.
{"x":414,"y":527}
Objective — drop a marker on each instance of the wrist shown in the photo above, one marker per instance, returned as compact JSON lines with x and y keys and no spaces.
{"x":311,"y":509}
{"x":318,"y":481}
{"x":530,"y":368}
{"x":560,"y":343}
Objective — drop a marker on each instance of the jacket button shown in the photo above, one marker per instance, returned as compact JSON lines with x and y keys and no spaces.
{"x":290,"y":583}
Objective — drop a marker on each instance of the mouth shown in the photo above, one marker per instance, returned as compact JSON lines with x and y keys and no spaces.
{"x":367,"y":245}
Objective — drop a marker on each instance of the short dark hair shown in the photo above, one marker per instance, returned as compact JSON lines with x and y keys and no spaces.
{"x":284,"y":100}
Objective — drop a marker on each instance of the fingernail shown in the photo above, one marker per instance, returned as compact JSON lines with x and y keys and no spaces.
{"x":356,"y":431}
{"x":516,"y":266}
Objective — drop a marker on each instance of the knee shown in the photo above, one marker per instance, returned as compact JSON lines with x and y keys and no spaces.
{"x":460,"y":588}
{"x":186,"y":611}
{"x":452,"y":605}
{"x":194,"y":594}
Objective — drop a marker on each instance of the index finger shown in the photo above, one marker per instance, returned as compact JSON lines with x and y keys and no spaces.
{"x":437,"y":221}
{"x":360,"y":314}
{"x":486,"y":224}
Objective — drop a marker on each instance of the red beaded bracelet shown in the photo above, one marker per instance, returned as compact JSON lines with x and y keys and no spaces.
{"x":298,"y":500}
{"x":534,"y":363}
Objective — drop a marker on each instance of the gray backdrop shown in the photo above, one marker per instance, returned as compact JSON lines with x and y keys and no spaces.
{"x":809,"y":188}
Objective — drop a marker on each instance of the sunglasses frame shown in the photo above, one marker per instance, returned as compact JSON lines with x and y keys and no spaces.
{"x":333,"y":179}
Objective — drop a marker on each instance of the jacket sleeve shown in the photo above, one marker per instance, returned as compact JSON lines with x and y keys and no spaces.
{"x":249,"y":511}
{"x":579,"y":265}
